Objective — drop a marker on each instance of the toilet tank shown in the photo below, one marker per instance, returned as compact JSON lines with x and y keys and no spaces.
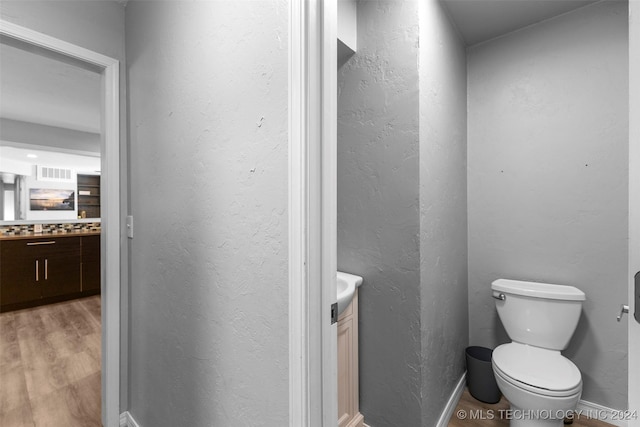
{"x":539,"y":314}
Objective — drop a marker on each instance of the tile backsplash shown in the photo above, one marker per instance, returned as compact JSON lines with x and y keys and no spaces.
{"x":53,"y":228}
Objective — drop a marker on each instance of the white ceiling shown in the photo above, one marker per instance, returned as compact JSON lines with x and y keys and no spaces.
{"x":29,"y":157}
{"x":482,"y":20}
{"x":42,"y":89}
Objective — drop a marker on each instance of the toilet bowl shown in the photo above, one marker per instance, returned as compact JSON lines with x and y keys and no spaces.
{"x":542,"y":385}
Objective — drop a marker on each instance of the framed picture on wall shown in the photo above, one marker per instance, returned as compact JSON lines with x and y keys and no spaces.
{"x":49,"y":199}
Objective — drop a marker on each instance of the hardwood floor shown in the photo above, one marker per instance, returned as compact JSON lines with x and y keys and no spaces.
{"x":50,"y":365}
{"x":472,"y":413}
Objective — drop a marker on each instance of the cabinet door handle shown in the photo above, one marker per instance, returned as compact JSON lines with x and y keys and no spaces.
{"x":37,"y":278}
{"x":41,"y":243}
{"x":46,"y":269}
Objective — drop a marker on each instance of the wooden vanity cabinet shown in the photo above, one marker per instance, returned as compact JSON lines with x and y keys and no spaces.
{"x":43,"y":270}
{"x":348,"y":389}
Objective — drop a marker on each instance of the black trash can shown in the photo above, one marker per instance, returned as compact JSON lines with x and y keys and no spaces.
{"x":480,"y":379}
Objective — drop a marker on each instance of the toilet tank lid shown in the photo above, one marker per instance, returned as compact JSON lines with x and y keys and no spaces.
{"x":538,"y":290}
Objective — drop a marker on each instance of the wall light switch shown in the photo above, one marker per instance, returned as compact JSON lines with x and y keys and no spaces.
{"x":130,"y":226}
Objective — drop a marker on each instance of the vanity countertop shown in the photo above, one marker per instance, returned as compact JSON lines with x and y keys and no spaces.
{"x":48,"y":235}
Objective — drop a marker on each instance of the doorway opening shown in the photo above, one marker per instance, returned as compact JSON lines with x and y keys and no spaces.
{"x":49,"y":213}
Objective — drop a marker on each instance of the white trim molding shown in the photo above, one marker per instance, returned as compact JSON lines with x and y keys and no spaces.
{"x":602,"y":413}
{"x":584,"y":408}
{"x":127,"y":420}
{"x":299,"y":354}
{"x":328,"y":196}
{"x":634,"y":208}
{"x":301,"y":384}
{"x":110,"y":182}
{"x":312,"y":213}
{"x":124,"y":419}
{"x":447,"y":412}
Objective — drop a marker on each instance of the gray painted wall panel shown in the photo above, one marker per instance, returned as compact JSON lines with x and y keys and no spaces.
{"x":443,"y":208}
{"x":548,"y":169}
{"x":48,"y":136}
{"x":209,"y":290}
{"x":402,"y":207}
{"x":96,"y":25}
{"x":378,"y":206}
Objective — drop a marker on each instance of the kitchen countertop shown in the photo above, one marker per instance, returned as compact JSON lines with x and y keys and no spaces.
{"x":48,"y":235}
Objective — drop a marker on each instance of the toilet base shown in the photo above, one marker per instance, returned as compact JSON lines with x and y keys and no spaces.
{"x":541,"y":410}
{"x":532,"y":418}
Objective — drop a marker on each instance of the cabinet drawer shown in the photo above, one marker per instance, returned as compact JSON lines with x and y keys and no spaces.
{"x":16,"y":249}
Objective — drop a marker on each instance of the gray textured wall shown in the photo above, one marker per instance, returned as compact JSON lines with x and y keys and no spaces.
{"x":402,"y":207}
{"x":548,"y":169}
{"x":378,"y":206}
{"x":443,"y":208}
{"x":48,"y":136}
{"x":96,"y":25}
{"x":209,"y":292}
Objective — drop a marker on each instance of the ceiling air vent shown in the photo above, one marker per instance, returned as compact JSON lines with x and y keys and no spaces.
{"x":46,"y":173}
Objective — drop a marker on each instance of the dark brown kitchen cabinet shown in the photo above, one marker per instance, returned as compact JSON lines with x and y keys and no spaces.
{"x":91,"y":264}
{"x":20,"y":272}
{"x":43,"y":270}
{"x":61,"y":266}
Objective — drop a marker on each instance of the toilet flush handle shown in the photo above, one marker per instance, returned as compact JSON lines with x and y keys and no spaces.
{"x":623,"y":309}
{"x":499,"y":296}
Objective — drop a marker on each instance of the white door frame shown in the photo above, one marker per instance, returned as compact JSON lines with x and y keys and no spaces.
{"x":312,"y":203}
{"x":634,"y":206}
{"x":312,"y":213}
{"x":110,"y":189}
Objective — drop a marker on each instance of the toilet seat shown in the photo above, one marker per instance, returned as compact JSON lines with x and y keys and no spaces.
{"x":538,"y":370}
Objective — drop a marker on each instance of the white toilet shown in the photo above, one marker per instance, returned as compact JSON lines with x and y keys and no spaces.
{"x":541,"y":384}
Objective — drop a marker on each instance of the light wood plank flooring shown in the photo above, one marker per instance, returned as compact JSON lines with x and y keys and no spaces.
{"x":468,"y":404}
{"x":50,"y":365}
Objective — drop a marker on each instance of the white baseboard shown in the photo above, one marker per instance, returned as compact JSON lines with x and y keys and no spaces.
{"x":447,"y":412}
{"x":127,"y":420}
{"x":585,"y":408}
{"x":593,"y":410}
